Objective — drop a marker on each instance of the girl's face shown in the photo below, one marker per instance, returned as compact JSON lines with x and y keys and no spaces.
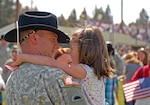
{"x":74,"y":51}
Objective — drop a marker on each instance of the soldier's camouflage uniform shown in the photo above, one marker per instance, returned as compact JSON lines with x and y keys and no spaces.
{"x":34,"y":85}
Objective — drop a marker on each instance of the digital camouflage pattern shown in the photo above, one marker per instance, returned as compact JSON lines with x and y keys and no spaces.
{"x":35,"y":85}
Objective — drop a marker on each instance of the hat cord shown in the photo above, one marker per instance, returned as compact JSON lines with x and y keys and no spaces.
{"x":27,"y":36}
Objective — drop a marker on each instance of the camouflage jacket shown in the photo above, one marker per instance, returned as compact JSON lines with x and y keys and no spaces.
{"x":34,"y":85}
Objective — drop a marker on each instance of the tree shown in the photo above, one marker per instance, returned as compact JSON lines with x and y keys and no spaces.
{"x":9,"y":9}
{"x":84,"y":15}
{"x":143,"y":18}
{"x":62,"y":21}
{"x":7,"y":12}
{"x":98,"y":14}
{"x":27,"y":8}
{"x":72,"y":19}
{"x":107,"y":16}
{"x":73,"y":16}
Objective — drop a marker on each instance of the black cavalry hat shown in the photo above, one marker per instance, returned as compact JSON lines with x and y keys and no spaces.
{"x":37,"y":20}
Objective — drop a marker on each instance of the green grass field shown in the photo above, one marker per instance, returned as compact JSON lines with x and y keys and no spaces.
{"x":4,"y":103}
{"x":120,"y":93}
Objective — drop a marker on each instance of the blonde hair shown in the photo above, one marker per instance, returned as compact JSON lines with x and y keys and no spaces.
{"x":93,"y":50}
{"x":131,"y":57}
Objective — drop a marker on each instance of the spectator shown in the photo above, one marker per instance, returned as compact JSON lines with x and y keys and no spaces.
{"x":111,"y":84}
{"x":143,"y":56}
{"x":142,"y":72}
{"x":131,"y":65}
{"x":118,"y":65}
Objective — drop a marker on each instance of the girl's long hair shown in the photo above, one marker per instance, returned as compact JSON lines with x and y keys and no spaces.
{"x":93,"y":51}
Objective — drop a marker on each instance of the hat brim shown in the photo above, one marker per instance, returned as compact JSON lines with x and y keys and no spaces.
{"x":11,"y":36}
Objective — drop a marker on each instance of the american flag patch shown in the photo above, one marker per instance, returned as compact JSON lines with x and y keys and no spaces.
{"x":137,"y":89}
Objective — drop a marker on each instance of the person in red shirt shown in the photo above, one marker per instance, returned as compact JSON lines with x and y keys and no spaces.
{"x":143,"y":71}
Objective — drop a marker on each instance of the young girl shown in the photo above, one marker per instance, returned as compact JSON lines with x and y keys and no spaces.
{"x":90,"y":62}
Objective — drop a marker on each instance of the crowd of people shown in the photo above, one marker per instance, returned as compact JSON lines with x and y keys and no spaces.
{"x":36,"y":70}
{"x":141,"y":33}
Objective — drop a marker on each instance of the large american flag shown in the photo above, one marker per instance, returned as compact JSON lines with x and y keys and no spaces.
{"x":137,"y":89}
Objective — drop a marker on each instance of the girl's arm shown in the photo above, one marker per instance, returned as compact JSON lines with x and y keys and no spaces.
{"x":75,"y":71}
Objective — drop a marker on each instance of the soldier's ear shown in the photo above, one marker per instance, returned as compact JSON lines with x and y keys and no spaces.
{"x":33,"y":39}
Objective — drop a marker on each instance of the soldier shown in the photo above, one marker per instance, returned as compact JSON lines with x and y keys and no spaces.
{"x":34,"y":84}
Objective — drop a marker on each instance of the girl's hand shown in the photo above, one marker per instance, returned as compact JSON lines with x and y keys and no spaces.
{"x":18,"y":61}
{"x":65,"y":58}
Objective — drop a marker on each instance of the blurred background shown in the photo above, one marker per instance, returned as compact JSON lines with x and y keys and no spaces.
{"x":126,"y":23}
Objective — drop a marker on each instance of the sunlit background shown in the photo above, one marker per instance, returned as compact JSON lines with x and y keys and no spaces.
{"x":131,"y":8}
